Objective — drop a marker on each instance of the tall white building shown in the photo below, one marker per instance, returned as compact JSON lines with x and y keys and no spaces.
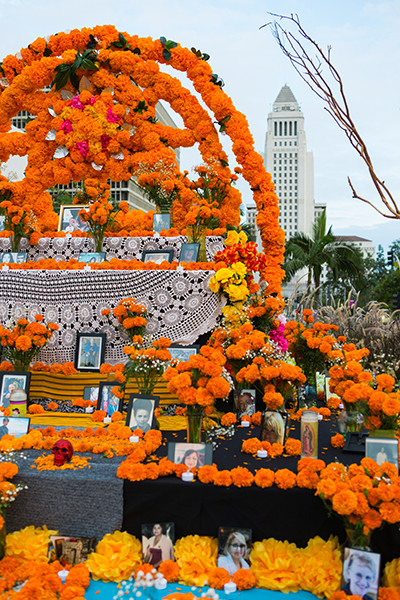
{"x":290,"y":164}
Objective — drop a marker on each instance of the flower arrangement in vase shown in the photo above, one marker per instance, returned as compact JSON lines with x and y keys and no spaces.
{"x":146,"y":365}
{"x":197,"y":382}
{"x":22,"y":343}
{"x":131,"y":318}
{"x":19,"y":221}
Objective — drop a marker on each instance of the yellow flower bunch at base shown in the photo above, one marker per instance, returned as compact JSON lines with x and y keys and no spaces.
{"x":115,"y":558}
{"x":196,"y":556}
{"x":30,"y":543}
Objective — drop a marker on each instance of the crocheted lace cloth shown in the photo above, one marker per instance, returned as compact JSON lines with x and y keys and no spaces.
{"x":115,"y":247}
{"x":180,"y":303}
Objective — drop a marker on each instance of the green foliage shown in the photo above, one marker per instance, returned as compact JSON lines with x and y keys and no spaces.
{"x":64,"y":72}
{"x":200,"y":54}
{"x":387,"y":287}
{"x":60,"y":199}
{"x":167,"y":47}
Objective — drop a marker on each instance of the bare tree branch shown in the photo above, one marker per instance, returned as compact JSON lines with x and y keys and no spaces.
{"x":310,"y":68}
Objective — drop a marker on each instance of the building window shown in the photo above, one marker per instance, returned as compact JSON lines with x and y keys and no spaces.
{"x":275,"y":129}
{"x":295,"y":130}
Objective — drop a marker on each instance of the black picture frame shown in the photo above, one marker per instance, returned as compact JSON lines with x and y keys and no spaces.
{"x":107,"y":400}
{"x":15,"y":426}
{"x":273,"y":427}
{"x":189,"y":252}
{"x":382,"y":449}
{"x":69,"y":219}
{"x":157,"y":256}
{"x":143,"y":402}
{"x":87,"y":359}
{"x":18,"y":379}
{"x":354,"y":560}
{"x":91,"y":257}
{"x":183,"y":353}
{"x":13,"y":257}
{"x":183,"y":452}
{"x":161,"y":221}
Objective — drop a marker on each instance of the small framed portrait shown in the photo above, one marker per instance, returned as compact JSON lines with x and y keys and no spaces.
{"x":273,"y":427}
{"x":107,"y":400}
{"x":16,"y":426}
{"x":158,"y":543}
{"x":189,"y":252}
{"x":91,"y":257}
{"x":183,"y":353}
{"x":2,"y":222}
{"x":234,"y":547}
{"x":70,"y":550}
{"x":382,"y":450}
{"x":245,"y":402}
{"x":91,"y":393}
{"x":13,"y":257}
{"x":89,"y":351}
{"x":11,"y":383}
{"x":70,"y":219}
{"x":157,"y":256}
{"x":190,"y":455}
{"x":140,"y":414}
{"x":360,"y":575}
{"x":161,"y":221}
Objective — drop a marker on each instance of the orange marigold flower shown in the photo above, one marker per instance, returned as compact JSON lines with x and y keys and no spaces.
{"x":52,"y":406}
{"x":293,"y":447}
{"x":264,"y":478}
{"x":207,"y":473}
{"x":223,"y":478}
{"x":228,"y":419}
{"x":256,"y":418}
{"x":241,"y":477}
{"x":344,"y":502}
{"x":35,"y":409}
{"x":170,"y":570}
{"x":337,"y":441}
{"x":285,"y":479}
{"x":244,"y":579}
{"x":218,"y":577}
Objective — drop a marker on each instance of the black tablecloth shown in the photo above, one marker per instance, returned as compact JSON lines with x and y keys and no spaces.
{"x":295,"y":515}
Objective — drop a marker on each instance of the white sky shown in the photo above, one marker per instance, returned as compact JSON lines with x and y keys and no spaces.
{"x":365,"y":50}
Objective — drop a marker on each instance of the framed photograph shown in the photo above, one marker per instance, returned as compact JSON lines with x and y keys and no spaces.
{"x":2,"y":222}
{"x":107,"y":400}
{"x":273,"y":427}
{"x":11,"y":382}
{"x":161,"y":221}
{"x":360,"y":575}
{"x":91,"y":393}
{"x":70,"y":550}
{"x":157,"y":256}
{"x":183,"y":353}
{"x":70,"y":220}
{"x":245,"y":402}
{"x":16,"y":426}
{"x":89,"y":351}
{"x":190,"y":455}
{"x":140,"y":414}
{"x":13,"y":257}
{"x":158,"y":543}
{"x":189,"y":252}
{"x":91,"y":257}
{"x":234,"y":547}
{"x":382,"y":450}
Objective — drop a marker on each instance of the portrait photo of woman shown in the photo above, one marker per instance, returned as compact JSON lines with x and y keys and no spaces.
{"x":234,"y":549}
{"x":158,"y":543}
{"x":273,"y":427}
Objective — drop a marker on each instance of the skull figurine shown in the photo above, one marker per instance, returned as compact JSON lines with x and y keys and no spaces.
{"x":62,"y":451}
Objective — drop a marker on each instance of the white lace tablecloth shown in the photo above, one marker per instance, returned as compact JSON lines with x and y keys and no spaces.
{"x":115,"y":247}
{"x":181,"y":305}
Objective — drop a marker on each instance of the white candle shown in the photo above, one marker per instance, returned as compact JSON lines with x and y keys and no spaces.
{"x":87,"y":268}
{"x":63,"y":575}
{"x":107,"y":420}
{"x":262,"y":453}
{"x":320,"y":417}
{"x":160,"y":583}
{"x":89,"y":409}
{"x":230,"y":587}
{"x":134,"y":439}
{"x":245,"y":423}
{"x":187,"y":476}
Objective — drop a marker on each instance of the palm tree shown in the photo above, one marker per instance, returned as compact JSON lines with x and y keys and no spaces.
{"x":312,"y":253}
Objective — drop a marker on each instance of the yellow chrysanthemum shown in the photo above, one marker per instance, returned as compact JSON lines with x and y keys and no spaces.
{"x":116,"y":557}
{"x":196,"y":556}
{"x":391,"y":576}
{"x":319,"y":567}
{"x":273,"y":565}
{"x":30,"y":543}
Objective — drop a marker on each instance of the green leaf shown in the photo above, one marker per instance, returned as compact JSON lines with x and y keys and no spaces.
{"x":166,"y":54}
{"x":136,"y":51}
{"x":88,"y":64}
{"x":206,"y":56}
{"x":163,"y":40}
{"x":62,"y":68}
{"x":216,"y":80}
{"x":47,"y":52}
{"x":61,"y":80}
{"x":223,"y":162}
{"x":92,"y":43}
{"x":170,"y":44}
{"x":74,"y":80}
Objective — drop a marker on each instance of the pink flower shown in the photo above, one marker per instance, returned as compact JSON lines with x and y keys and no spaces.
{"x":105,"y":140}
{"x":277,"y":336}
{"x":76,"y":103}
{"x":112,"y":117}
{"x":66,"y":126}
{"x":83,"y":147}
{"x":92,"y":100}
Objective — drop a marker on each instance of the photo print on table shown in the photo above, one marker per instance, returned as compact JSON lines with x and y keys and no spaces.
{"x":70,"y":220}
{"x":13,"y":257}
{"x":15,"y":426}
{"x":12,"y":382}
{"x":183,"y":353}
{"x":158,"y":543}
{"x":189,"y":252}
{"x":360,"y":575}
{"x":273,"y":427}
{"x":89,"y":351}
{"x":161,"y":221}
{"x":382,"y":450}
{"x":157,"y":256}
{"x":245,"y":402}
{"x":91,"y":393}
{"x":69,"y":550}
{"x":140,"y":413}
{"x":91,"y":257}
{"x":192,"y":455}
{"x":234,"y":547}
{"x":107,"y":400}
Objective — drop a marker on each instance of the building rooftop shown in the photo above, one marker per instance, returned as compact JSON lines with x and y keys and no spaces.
{"x":351,"y":238}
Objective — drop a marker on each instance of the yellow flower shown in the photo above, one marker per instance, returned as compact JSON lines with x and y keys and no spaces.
{"x":214,"y":284}
{"x":116,"y":557}
{"x":232,"y":238}
{"x":237,"y":293}
{"x":273,"y":565}
{"x":242,"y":237}
{"x":391,"y":576}
{"x":29,"y":543}
{"x":196,"y":555}
{"x":319,"y":567}
{"x":224,"y":275}
{"x":240,"y":269}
